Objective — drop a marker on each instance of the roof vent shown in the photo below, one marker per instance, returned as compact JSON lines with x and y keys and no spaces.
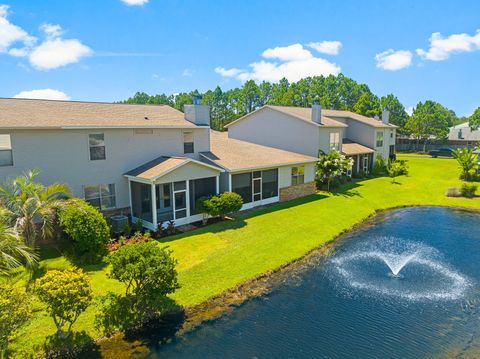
{"x":197,"y":99}
{"x":146,"y":118}
{"x":316,"y":112}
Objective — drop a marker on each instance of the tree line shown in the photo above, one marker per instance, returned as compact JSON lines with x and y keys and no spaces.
{"x":429,"y":119}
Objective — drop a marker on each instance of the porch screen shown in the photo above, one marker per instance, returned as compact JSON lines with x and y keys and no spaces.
{"x":242,"y":184}
{"x":142,"y":201}
{"x":203,"y":187}
{"x":269,"y":183}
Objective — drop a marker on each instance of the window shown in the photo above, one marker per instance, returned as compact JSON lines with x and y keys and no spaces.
{"x":203,"y":187}
{"x":6,"y":155}
{"x":101,"y":196}
{"x":335,"y":141}
{"x":242,"y":184}
{"x":269,"y":183}
{"x":379,"y":139}
{"x":141,"y":201}
{"x":97,"y":146}
{"x":188,"y":142}
{"x":298,"y":175}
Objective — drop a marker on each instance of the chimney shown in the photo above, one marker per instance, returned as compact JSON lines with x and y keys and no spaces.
{"x":386,"y":116}
{"x":317,"y":112}
{"x":197,"y":113}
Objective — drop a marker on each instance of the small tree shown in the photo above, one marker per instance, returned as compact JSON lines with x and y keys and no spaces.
{"x":147,"y":270}
{"x":397,"y":168}
{"x":66,"y":294}
{"x":467,"y":162}
{"x":87,"y":228}
{"x":380,"y":165}
{"x":332,"y":165}
{"x":15,"y":310}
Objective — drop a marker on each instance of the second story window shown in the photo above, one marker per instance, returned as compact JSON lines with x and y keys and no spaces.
{"x":6,"y":155}
{"x":188,"y":146}
{"x":298,"y":175}
{"x":96,"y":144}
{"x":335,"y":141}
{"x":379,"y":142}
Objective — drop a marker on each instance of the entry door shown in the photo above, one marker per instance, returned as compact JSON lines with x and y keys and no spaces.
{"x":257,"y":186}
{"x":180,"y":199}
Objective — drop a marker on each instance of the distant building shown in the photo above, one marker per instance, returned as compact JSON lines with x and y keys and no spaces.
{"x":462,"y":135}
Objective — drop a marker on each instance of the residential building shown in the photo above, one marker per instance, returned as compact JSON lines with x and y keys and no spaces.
{"x":150,"y":161}
{"x":462,"y":136}
{"x":313,"y":131}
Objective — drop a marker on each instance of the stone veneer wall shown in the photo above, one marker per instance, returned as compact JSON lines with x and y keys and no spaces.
{"x":297,"y":191}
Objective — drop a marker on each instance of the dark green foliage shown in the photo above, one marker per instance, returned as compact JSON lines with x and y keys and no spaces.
{"x":468,"y":190}
{"x":87,"y":229}
{"x":146,"y":269}
{"x":380,"y":166}
{"x":220,"y":205}
{"x":474,"y":120}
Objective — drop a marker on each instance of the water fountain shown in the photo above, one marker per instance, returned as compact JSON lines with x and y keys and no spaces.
{"x":425,"y":273}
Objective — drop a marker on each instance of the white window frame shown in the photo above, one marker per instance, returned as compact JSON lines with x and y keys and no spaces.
{"x":94,"y":146}
{"x":101,"y":197}
{"x":379,"y":139}
{"x":6,"y":146}
{"x":335,"y":141}
{"x":295,"y":178}
{"x":365,"y":163}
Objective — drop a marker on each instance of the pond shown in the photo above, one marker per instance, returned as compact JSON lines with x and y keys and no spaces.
{"x":405,"y":287}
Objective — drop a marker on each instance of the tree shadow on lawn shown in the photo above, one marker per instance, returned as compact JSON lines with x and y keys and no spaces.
{"x":239,"y":220}
{"x":349,"y":190}
{"x":139,"y":340}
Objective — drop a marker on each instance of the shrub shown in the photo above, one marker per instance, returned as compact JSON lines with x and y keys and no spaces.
{"x":467,"y":162}
{"x":468,"y":190}
{"x":380,"y":166}
{"x":138,"y":237}
{"x":15,"y":310}
{"x":146,"y":269}
{"x":87,"y":228}
{"x":221,"y":205}
{"x":332,"y":165}
{"x":66,"y":294}
{"x":397,"y":168}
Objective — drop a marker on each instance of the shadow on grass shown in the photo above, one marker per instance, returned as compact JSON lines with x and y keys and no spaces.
{"x":70,"y":347}
{"x":135,"y":340}
{"x":350,"y":190}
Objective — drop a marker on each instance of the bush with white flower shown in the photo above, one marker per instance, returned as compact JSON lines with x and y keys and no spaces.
{"x":331,"y":165}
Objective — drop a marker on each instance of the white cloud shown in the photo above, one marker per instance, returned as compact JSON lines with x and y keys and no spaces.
{"x":187,"y":72}
{"x":409,"y":110}
{"x":51,"y":30}
{"x":135,"y":2}
{"x":442,"y":47}
{"x":52,"y":53}
{"x":288,"y":53}
{"x":10,"y":33}
{"x":294,"y":63}
{"x":394,"y":60}
{"x":45,"y":94}
{"x":227,"y":73}
{"x":326,"y":47}
{"x":57,"y":52}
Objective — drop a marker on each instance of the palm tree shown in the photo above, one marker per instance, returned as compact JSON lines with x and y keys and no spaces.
{"x":13,"y":250}
{"x":31,"y":206}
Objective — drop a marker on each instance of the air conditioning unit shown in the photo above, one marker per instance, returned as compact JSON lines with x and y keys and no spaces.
{"x":118,"y":223}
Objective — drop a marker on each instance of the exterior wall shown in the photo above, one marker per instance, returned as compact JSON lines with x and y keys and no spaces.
{"x":187,"y":172}
{"x":63,"y":155}
{"x":275,"y":129}
{"x":324,"y":138}
{"x":301,"y":190}
{"x":285,"y":174}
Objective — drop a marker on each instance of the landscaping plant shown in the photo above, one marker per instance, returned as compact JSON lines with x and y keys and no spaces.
{"x":220,"y":205}
{"x":397,"y":168}
{"x":87,"y":229}
{"x":67,"y":294}
{"x":15,"y":311}
{"x":380,"y":166}
{"x":31,"y":206}
{"x":331,"y":165}
{"x":468,"y":190}
{"x":146,"y":270}
{"x":467,"y":162}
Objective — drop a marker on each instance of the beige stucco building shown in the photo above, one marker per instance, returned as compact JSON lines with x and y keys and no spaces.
{"x":312,"y":131}
{"x":150,"y":161}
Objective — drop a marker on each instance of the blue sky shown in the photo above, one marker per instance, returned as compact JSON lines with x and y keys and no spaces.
{"x":106,"y":50}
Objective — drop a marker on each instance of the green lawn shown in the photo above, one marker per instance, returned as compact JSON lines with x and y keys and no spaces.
{"x":225,"y":254}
